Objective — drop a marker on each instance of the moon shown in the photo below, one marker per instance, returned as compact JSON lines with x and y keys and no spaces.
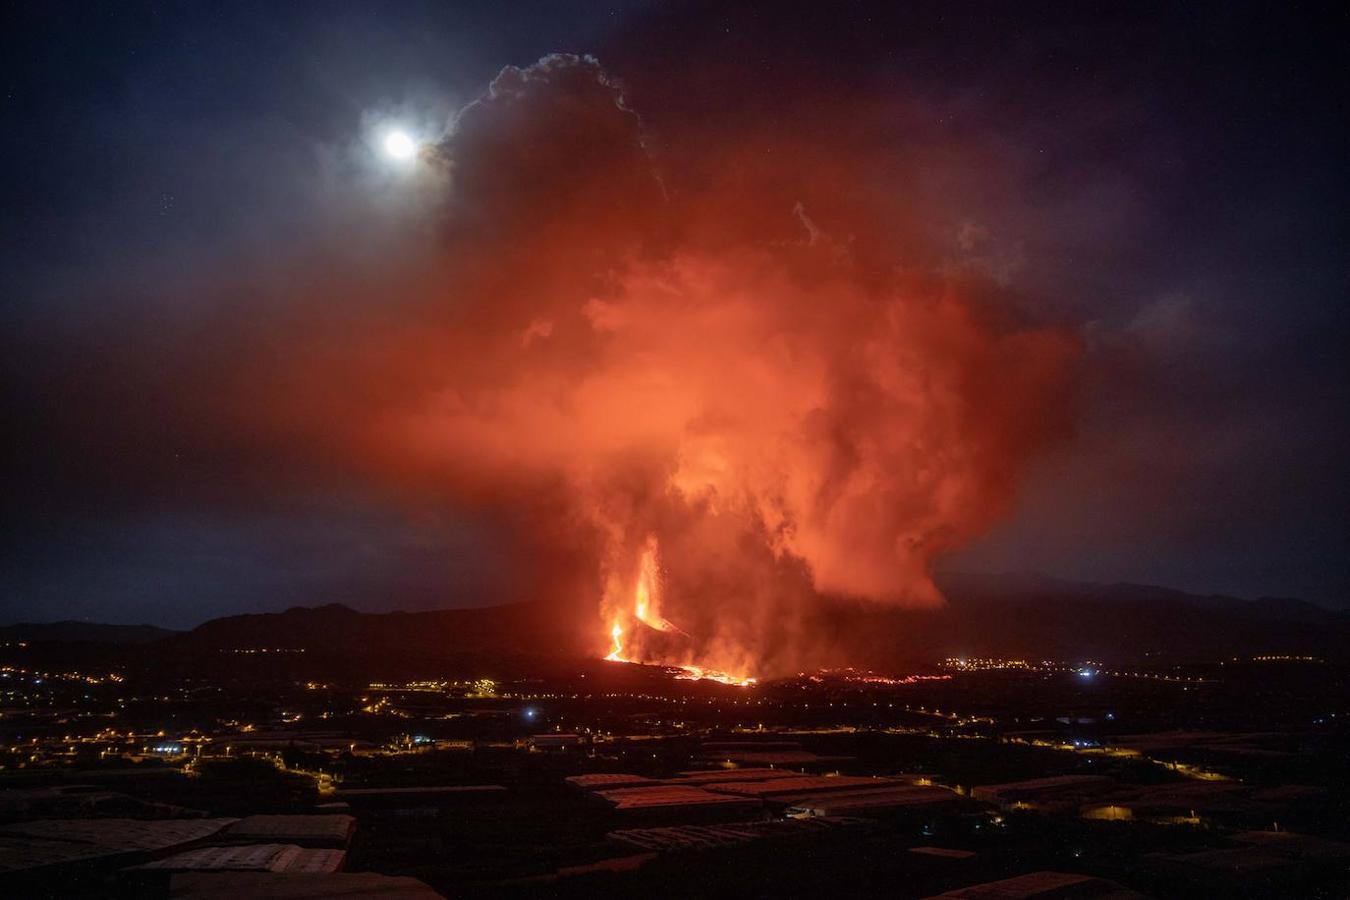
{"x":398,"y":145}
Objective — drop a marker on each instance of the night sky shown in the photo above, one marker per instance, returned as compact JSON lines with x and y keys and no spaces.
{"x":197,"y":223}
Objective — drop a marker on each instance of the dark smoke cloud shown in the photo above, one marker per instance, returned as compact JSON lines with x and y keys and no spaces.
{"x":759,"y":363}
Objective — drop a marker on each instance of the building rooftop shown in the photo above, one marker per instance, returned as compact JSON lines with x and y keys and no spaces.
{"x":706,"y":837}
{"x":846,"y":803}
{"x":714,"y":776}
{"x":1046,"y":885}
{"x":599,"y":780}
{"x":88,"y":838}
{"x":293,"y":886}
{"x":252,"y":858}
{"x":308,"y":831}
{"x":803,"y":785}
{"x":942,"y":852}
{"x":666,"y":795}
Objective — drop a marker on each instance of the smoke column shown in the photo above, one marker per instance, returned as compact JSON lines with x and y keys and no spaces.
{"x":733,"y":380}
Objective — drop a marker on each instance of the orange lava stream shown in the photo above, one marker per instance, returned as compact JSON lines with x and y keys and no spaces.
{"x":645,"y":598}
{"x":698,"y":673}
{"x":616,"y":653}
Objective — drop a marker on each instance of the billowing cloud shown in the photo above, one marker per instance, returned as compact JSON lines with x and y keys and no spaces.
{"x":616,"y":357}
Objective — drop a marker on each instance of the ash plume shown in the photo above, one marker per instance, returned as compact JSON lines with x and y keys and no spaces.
{"x":734,"y":362}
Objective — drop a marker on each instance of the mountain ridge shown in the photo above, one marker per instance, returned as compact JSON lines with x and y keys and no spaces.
{"x":75,"y":631}
{"x":1017,"y":614}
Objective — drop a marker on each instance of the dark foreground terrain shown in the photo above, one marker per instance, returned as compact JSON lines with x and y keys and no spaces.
{"x":262,"y":770}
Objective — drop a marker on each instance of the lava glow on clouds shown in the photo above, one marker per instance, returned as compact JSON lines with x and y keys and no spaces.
{"x":728,"y":381}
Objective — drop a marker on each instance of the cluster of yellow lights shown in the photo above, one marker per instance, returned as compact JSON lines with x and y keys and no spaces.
{"x":250,"y":651}
{"x":478,"y":687}
{"x":59,"y":676}
{"x":980,"y":664}
{"x":1088,"y":667}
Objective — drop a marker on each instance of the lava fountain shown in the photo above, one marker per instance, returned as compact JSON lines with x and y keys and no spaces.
{"x":645,"y":614}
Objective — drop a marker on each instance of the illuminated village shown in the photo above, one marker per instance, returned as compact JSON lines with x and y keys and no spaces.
{"x":1114,"y":781}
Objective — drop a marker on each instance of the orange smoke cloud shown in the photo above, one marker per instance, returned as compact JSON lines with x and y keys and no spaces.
{"x":755,"y":361}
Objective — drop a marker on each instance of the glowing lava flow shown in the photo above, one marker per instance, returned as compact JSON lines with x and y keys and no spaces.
{"x":616,"y":653}
{"x":698,"y":673}
{"x":646,"y":600}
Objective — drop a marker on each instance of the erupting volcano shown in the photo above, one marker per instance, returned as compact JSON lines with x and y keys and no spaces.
{"x":710,"y":388}
{"x":644,"y":615}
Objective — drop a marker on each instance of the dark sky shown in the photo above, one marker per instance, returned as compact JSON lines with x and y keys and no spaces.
{"x":1169,"y":181}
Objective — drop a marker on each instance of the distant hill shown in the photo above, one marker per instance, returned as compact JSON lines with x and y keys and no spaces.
{"x":1031,"y":586}
{"x":1038,"y":617}
{"x":506,"y":634}
{"x":1019,"y":615}
{"x":83,"y":633}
